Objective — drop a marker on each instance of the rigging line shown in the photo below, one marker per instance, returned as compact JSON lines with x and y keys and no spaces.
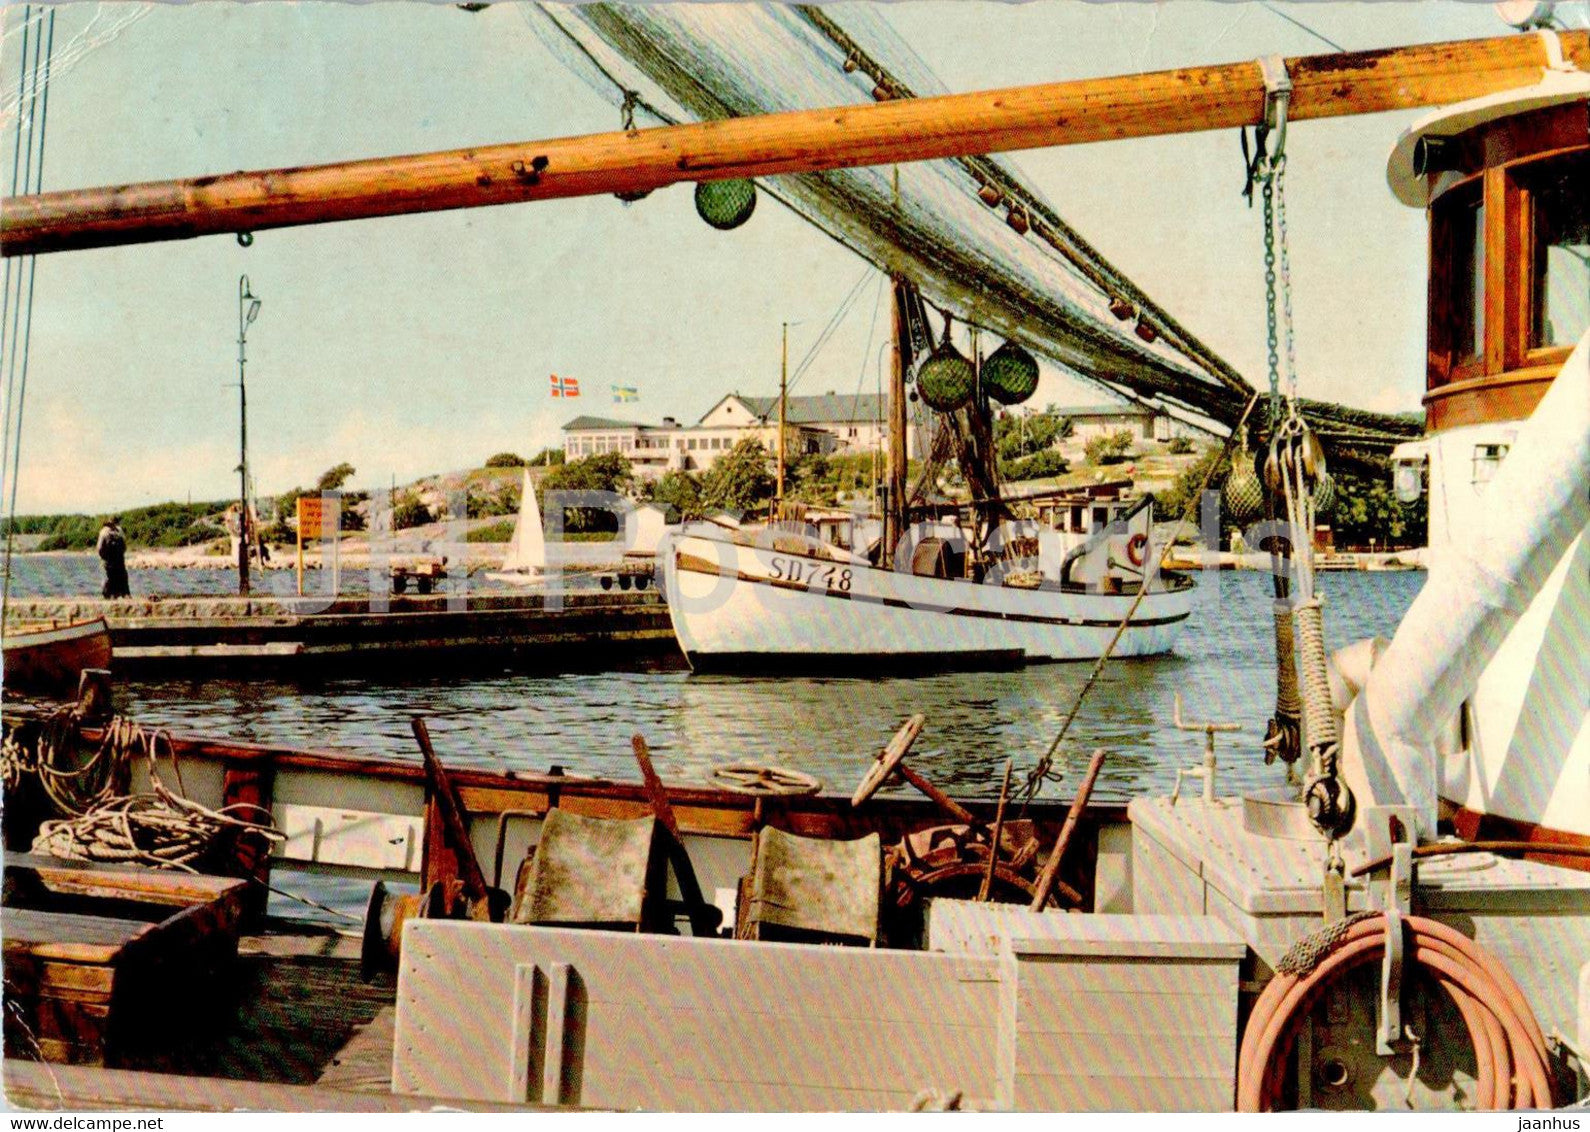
{"x":1274,"y":11}
{"x":21,"y":176}
{"x":833,"y":324}
{"x":1080,"y":254}
{"x":6,"y":338}
{"x":40,"y":117}
{"x":669,"y":120}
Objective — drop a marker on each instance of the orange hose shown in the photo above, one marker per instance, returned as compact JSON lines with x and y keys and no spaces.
{"x":1509,"y":1050}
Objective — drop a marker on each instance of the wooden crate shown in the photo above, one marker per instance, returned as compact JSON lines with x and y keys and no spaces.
{"x":98,"y":957}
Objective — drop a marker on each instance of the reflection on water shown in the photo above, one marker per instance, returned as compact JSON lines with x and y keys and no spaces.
{"x":583,"y":720}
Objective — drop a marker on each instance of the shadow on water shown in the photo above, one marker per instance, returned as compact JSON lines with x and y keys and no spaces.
{"x":581,"y":716}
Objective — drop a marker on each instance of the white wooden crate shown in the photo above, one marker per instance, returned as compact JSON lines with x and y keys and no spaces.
{"x":514,"y":1014}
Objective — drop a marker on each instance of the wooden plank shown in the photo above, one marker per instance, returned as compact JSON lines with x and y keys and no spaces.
{"x":33,"y":1086}
{"x":1223,"y":96}
{"x":364,"y":1064}
{"x":70,"y":935}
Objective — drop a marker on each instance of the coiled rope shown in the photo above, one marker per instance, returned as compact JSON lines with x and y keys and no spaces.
{"x":1509,"y":1049}
{"x":101,"y":821}
{"x":71,"y":784}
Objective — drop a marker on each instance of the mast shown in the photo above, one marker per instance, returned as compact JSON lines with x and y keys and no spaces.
{"x":783,"y":402}
{"x":1217,"y":97}
{"x":894,"y":516}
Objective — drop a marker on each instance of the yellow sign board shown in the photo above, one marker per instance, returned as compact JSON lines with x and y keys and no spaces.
{"x":311,"y":517}
{"x":311,"y":512}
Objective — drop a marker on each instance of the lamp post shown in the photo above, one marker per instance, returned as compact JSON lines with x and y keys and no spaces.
{"x":247,"y":311}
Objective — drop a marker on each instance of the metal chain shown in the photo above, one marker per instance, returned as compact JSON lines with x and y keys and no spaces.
{"x":1279,"y":165}
{"x":1271,"y":337}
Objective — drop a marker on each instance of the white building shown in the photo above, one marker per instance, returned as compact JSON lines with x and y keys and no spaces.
{"x":825,"y":424}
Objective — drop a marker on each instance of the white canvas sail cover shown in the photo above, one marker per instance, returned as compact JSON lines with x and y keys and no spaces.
{"x":528,"y":551}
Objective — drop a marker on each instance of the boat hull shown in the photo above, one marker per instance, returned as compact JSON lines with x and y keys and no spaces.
{"x":51,"y":660}
{"x":737,"y":607}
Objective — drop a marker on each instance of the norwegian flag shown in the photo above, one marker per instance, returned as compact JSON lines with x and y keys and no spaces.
{"x":565,"y":386}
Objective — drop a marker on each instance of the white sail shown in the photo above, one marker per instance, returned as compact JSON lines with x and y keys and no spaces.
{"x":528,"y":551}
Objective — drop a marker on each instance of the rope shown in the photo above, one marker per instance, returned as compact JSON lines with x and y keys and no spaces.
{"x":1319,"y":715}
{"x":159,"y":829}
{"x":101,"y":821}
{"x":1043,"y":769}
{"x":1286,"y":701}
{"x":72,"y":786}
{"x":1307,"y":953}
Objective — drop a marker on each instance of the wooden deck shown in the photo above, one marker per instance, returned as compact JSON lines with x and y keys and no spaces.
{"x":308,"y":1035}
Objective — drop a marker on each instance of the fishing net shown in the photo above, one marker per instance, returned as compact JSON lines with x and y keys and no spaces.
{"x":971,"y":233}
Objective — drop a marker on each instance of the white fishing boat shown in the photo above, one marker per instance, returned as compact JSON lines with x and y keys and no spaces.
{"x":781,"y":600}
{"x":970,"y":588}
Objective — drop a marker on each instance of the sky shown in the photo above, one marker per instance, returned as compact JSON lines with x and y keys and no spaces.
{"x":411,"y":345}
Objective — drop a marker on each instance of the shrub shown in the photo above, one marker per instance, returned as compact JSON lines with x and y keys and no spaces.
{"x":500,"y":531}
{"x":410,"y":511}
{"x":547,"y":458}
{"x":1109,"y":448}
{"x":1180,"y":445}
{"x":1037,"y":466}
{"x":505,"y":460}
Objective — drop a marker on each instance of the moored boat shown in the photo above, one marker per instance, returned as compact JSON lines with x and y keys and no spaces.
{"x":736,"y":604}
{"x":50,"y":658}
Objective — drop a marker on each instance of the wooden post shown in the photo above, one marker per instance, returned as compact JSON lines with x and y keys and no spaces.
{"x":453,"y":832}
{"x":251,"y":784}
{"x":705,"y":918}
{"x":783,"y":409}
{"x":1050,"y":877}
{"x":1185,"y":100}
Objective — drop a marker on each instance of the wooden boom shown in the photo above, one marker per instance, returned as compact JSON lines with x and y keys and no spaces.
{"x":1087,"y":110}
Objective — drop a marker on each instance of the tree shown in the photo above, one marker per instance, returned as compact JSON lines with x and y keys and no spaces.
{"x":679,"y":490}
{"x":547,"y":458}
{"x":606,"y":471}
{"x":1109,"y":448}
{"x":1365,"y":508}
{"x":739,"y":481}
{"x":505,"y":460}
{"x":333,"y":478}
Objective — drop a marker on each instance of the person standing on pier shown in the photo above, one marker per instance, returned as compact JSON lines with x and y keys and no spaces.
{"x":112,"y":548}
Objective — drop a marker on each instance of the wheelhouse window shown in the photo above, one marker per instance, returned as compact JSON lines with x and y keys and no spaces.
{"x":1458,"y":323}
{"x":1560,"y":273}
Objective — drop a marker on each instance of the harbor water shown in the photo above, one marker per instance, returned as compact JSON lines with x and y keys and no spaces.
{"x":582,"y":720}
{"x":827,"y":726}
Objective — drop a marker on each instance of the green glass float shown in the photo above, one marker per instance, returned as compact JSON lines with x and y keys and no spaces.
{"x":1244,"y":493}
{"x":946,"y":379}
{"x":1010,"y":374}
{"x":1324,"y":493}
{"x":725,"y":204}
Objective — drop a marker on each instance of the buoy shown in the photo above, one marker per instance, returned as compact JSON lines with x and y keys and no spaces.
{"x":725,"y":204}
{"x":1010,"y":375}
{"x":946,"y":379}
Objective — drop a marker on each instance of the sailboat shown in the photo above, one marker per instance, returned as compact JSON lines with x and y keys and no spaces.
{"x":526,"y":561}
{"x":533,"y":561}
{"x":933,"y":591}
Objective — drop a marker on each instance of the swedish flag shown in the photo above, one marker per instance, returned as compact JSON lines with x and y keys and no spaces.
{"x":625,"y":393}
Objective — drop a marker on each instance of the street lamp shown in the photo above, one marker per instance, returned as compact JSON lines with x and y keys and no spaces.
{"x":247,"y":311}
